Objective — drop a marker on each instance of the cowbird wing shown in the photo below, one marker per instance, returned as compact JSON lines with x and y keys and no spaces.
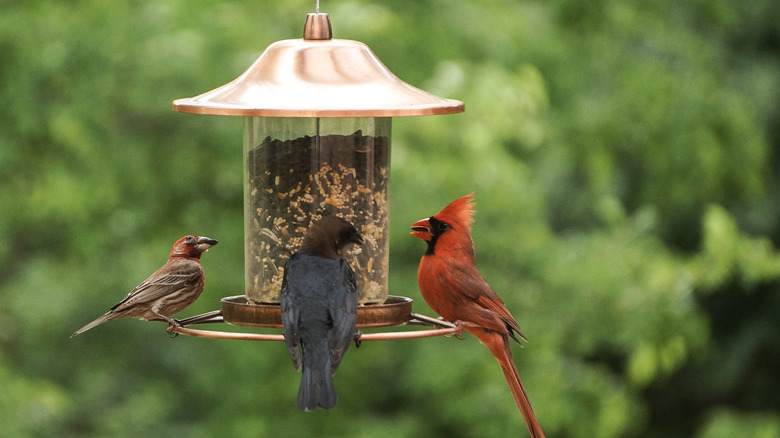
{"x":291,"y":314}
{"x":343,"y":313}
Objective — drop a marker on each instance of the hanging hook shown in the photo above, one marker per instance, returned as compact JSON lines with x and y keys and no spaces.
{"x":317,"y":27}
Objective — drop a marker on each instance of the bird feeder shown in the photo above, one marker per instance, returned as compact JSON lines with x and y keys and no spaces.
{"x":317,"y":142}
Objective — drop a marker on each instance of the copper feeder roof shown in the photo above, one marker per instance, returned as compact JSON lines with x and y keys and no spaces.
{"x":318,"y":76}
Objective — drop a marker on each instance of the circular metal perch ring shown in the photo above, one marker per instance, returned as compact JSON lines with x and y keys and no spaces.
{"x":396,"y":311}
{"x":413,"y":334}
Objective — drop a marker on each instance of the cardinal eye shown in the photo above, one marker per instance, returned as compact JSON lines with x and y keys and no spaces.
{"x":442,"y":226}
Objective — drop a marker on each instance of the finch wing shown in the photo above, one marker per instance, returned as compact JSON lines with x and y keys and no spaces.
{"x":170,"y":278}
{"x":343,"y":313}
{"x":291,"y":313}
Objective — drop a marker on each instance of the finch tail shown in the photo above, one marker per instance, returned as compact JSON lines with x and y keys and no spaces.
{"x":499,"y":346}
{"x":95,"y":323}
{"x":316,"y":389}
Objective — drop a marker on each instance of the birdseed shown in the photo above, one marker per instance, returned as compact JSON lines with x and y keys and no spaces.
{"x":295,"y":182}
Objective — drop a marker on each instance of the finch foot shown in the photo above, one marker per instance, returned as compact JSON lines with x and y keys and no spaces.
{"x":173,"y":327}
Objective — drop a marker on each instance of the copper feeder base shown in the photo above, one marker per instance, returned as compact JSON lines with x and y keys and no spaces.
{"x":236,"y":310}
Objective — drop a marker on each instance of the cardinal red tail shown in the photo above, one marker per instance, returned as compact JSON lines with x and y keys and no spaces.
{"x":499,"y":346}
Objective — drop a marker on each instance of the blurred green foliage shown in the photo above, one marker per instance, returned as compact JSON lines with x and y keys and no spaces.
{"x":624,"y":160}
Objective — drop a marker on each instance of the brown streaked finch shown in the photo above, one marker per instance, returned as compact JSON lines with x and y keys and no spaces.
{"x":173,"y":287}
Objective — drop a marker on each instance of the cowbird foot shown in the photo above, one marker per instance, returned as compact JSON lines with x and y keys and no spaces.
{"x":356,"y":338}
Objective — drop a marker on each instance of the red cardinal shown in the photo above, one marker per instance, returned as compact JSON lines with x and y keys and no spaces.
{"x":174,"y":286}
{"x":453,"y":287}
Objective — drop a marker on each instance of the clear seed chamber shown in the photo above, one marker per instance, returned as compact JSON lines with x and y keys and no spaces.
{"x":300,"y":169}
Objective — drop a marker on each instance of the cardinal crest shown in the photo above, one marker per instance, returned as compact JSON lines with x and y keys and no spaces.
{"x":458,"y":212}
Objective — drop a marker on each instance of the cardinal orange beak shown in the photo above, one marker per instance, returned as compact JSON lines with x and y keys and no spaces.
{"x":422,"y":229}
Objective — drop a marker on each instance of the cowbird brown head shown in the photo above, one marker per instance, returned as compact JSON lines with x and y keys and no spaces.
{"x":326,"y":237}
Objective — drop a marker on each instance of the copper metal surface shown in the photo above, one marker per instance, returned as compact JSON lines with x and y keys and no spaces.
{"x":317,"y":27}
{"x":416,"y":334}
{"x":237,"y":310}
{"x":318,"y":78}
{"x":441,"y":328}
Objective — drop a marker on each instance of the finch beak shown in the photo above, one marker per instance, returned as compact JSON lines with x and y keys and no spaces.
{"x":204,"y":243}
{"x":422,"y":229}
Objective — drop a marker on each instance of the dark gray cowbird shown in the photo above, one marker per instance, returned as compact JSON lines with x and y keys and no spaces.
{"x":319,"y":308}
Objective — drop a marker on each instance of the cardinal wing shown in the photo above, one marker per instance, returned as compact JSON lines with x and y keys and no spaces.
{"x":467,"y":282}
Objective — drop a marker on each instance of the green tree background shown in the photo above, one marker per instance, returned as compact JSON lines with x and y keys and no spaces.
{"x":624,"y":159}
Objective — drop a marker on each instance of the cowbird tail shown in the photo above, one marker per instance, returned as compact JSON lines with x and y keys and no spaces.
{"x":316,"y":389}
